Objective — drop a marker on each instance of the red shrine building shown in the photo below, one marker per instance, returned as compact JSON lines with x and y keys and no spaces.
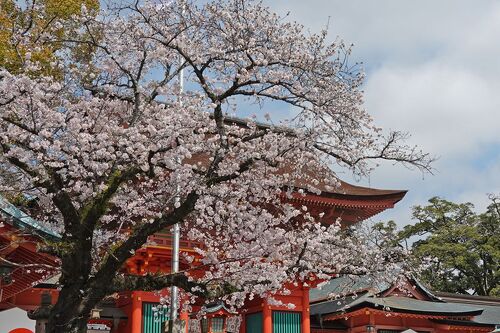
{"x":384,"y":311}
{"x":408,"y":308}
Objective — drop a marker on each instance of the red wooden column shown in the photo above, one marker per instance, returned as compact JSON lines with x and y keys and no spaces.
{"x":267,"y":318}
{"x":306,"y":319}
{"x":185,"y":316}
{"x":243,"y":324}
{"x":136,"y":315}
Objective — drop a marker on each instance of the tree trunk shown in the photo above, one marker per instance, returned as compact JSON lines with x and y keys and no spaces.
{"x":72,"y":310}
{"x":81,"y":290}
{"x":69,"y":313}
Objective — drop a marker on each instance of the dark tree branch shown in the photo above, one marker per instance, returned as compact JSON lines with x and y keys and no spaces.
{"x":92,"y":213}
{"x":410,"y":158}
{"x":140,"y":235}
{"x":150,"y":282}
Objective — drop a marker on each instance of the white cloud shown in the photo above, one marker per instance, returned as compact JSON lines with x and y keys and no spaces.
{"x":433,"y":70}
{"x":450,"y":111}
{"x":394,"y":30}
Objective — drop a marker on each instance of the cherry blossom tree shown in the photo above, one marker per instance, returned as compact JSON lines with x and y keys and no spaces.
{"x":114,"y":151}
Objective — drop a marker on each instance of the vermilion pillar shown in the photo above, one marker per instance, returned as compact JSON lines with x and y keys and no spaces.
{"x":185,"y":316}
{"x":243,"y":325}
{"x":267,"y":319}
{"x":306,"y":319}
{"x":136,"y":316}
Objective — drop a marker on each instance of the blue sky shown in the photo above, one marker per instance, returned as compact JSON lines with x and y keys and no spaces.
{"x":433,"y":70}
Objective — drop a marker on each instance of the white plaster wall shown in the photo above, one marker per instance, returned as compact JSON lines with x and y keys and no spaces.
{"x":15,"y":318}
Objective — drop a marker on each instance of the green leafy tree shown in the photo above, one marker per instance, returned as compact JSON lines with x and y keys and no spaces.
{"x":459,"y":249}
{"x":24,"y":23}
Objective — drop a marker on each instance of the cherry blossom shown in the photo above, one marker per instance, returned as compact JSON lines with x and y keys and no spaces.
{"x":114,"y":151}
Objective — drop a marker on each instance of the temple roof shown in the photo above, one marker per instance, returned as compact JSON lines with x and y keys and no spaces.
{"x":345,"y":286}
{"x":489,"y":304}
{"x":336,"y":309}
{"x":18,"y":237}
{"x":462,"y":323}
{"x":349,"y":202}
{"x":481,"y":311}
{"x":411,"y":305}
{"x":354,"y":190}
{"x":20,"y":220}
{"x":312,"y":178}
{"x":338,"y":305}
{"x":344,"y":188}
{"x":491,"y":314}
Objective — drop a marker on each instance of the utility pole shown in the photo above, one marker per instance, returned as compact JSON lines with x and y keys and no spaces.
{"x":176,"y":230}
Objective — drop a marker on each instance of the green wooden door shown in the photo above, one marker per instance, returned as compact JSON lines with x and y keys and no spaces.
{"x":253,"y":323}
{"x":152,"y":320}
{"x":287,"y":322}
{"x":217,"y":325}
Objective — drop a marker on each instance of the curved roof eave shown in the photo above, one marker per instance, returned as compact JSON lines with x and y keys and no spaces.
{"x":407,"y":305}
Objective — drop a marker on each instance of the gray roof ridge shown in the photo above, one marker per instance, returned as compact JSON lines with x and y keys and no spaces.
{"x":385,"y":301}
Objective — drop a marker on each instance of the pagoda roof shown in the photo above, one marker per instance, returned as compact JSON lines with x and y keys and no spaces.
{"x":351,"y":203}
{"x":342,"y":189}
{"x":360,"y":191}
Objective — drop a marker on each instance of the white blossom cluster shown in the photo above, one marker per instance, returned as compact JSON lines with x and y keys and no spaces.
{"x":114,"y":146}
